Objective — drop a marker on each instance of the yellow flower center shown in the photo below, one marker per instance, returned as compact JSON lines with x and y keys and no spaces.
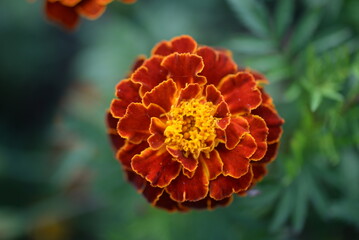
{"x":191,"y":127}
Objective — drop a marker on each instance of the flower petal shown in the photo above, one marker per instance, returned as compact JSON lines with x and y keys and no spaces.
{"x":236,"y":161}
{"x":181,"y":44}
{"x":223,"y":187}
{"x":152,"y":194}
{"x":259,"y":171}
{"x":116,"y":140}
{"x":208,"y":203}
{"x":69,"y":3}
{"x":156,"y":166}
{"x":240,"y":93}
{"x":235,"y":131}
{"x":136,"y":180}
{"x":189,"y":189}
{"x":150,"y":74}
{"x":271,"y":153}
{"x":217,"y":64}
{"x":163,"y":95}
{"x":213,"y":165}
{"x":183,"y":68}
{"x":260,"y":78}
{"x":66,"y":16}
{"x":128,"y":151}
{"x":188,"y":163}
{"x":157,"y":129}
{"x":274,"y":122}
{"x":136,"y":122}
{"x":258,"y":129}
{"x":90,"y":9}
{"x":127,"y":92}
{"x":192,"y":90}
{"x":167,"y":203}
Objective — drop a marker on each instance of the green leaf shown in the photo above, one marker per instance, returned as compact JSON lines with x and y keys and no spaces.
{"x":267,"y":62}
{"x":305,"y":29}
{"x":253,"y":15}
{"x":250,"y":45}
{"x":315,"y":100}
{"x":301,"y":202}
{"x":283,"y":16}
{"x":332,"y":39}
{"x":283,"y":210}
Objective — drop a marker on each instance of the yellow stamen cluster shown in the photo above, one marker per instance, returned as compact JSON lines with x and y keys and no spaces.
{"x":191,"y":127}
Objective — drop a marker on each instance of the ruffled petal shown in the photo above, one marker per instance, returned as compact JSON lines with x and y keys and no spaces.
{"x":163,"y":95}
{"x":181,"y":44}
{"x":150,"y":74}
{"x":156,"y":166}
{"x":259,"y":171}
{"x":66,"y":16}
{"x":152,"y":194}
{"x":90,"y":9}
{"x":235,"y":131}
{"x":274,"y":122}
{"x":136,"y":180}
{"x":236,"y":161}
{"x":223,"y":187}
{"x":217,"y":64}
{"x":258,"y":129}
{"x":116,"y":140}
{"x":69,"y":3}
{"x":208,"y":203}
{"x":260,"y":78}
{"x":184,"y":68}
{"x":136,"y":122}
{"x":271,"y":153}
{"x":188,"y":163}
{"x":240,"y":93}
{"x":127,"y":92}
{"x":191,"y":91}
{"x":167,"y":203}
{"x":128,"y":151}
{"x":157,"y":129}
{"x":213,"y":165}
{"x":189,"y":189}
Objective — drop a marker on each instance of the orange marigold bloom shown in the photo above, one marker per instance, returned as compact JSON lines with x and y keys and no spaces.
{"x":67,"y":12}
{"x":190,"y":129}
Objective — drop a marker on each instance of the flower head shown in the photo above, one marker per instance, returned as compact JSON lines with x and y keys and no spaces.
{"x":191,"y":129}
{"x":67,"y":12}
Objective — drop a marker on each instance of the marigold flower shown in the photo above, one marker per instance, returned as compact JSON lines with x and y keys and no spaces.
{"x":67,"y":12}
{"x":191,"y":129}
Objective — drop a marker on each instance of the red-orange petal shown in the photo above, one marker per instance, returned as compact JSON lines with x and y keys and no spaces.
{"x":213,"y":95}
{"x":116,"y":140}
{"x":156,"y":166}
{"x":188,"y":163}
{"x":271,"y":153}
{"x":191,"y":91}
{"x":240,"y":92}
{"x":184,"y":68}
{"x":236,"y":162}
{"x":189,"y":189}
{"x":69,"y":3}
{"x":90,"y":9}
{"x":224,"y":186}
{"x":127,"y":92}
{"x":163,"y":95}
{"x":136,"y":180}
{"x":260,"y":78}
{"x":169,"y":204}
{"x":273,"y":121}
{"x":235,"y":131}
{"x":150,"y":74}
{"x":213,"y":165}
{"x":258,"y":129}
{"x":259,"y":171}
{"x":152,"y":194}
{"x":66,"y":16}
{"x":136,"y":122}
{"x":128,"y":151}
{"x":157,"y":129}
{"x":208,"y":203}
{"x":217,"y":65}
{"x":181,"y":44}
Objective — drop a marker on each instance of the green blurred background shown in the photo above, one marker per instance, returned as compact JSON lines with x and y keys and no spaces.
{"x":58,"y":175}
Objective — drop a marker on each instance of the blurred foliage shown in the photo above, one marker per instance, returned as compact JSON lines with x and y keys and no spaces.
{"x":58,"y":175}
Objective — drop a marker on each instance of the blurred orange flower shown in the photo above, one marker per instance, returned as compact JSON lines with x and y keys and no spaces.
{"x":67,"y":12}
{"x":191,"y":129}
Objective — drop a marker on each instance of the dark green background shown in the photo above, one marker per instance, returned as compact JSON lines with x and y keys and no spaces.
{"x":58,"y":175}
